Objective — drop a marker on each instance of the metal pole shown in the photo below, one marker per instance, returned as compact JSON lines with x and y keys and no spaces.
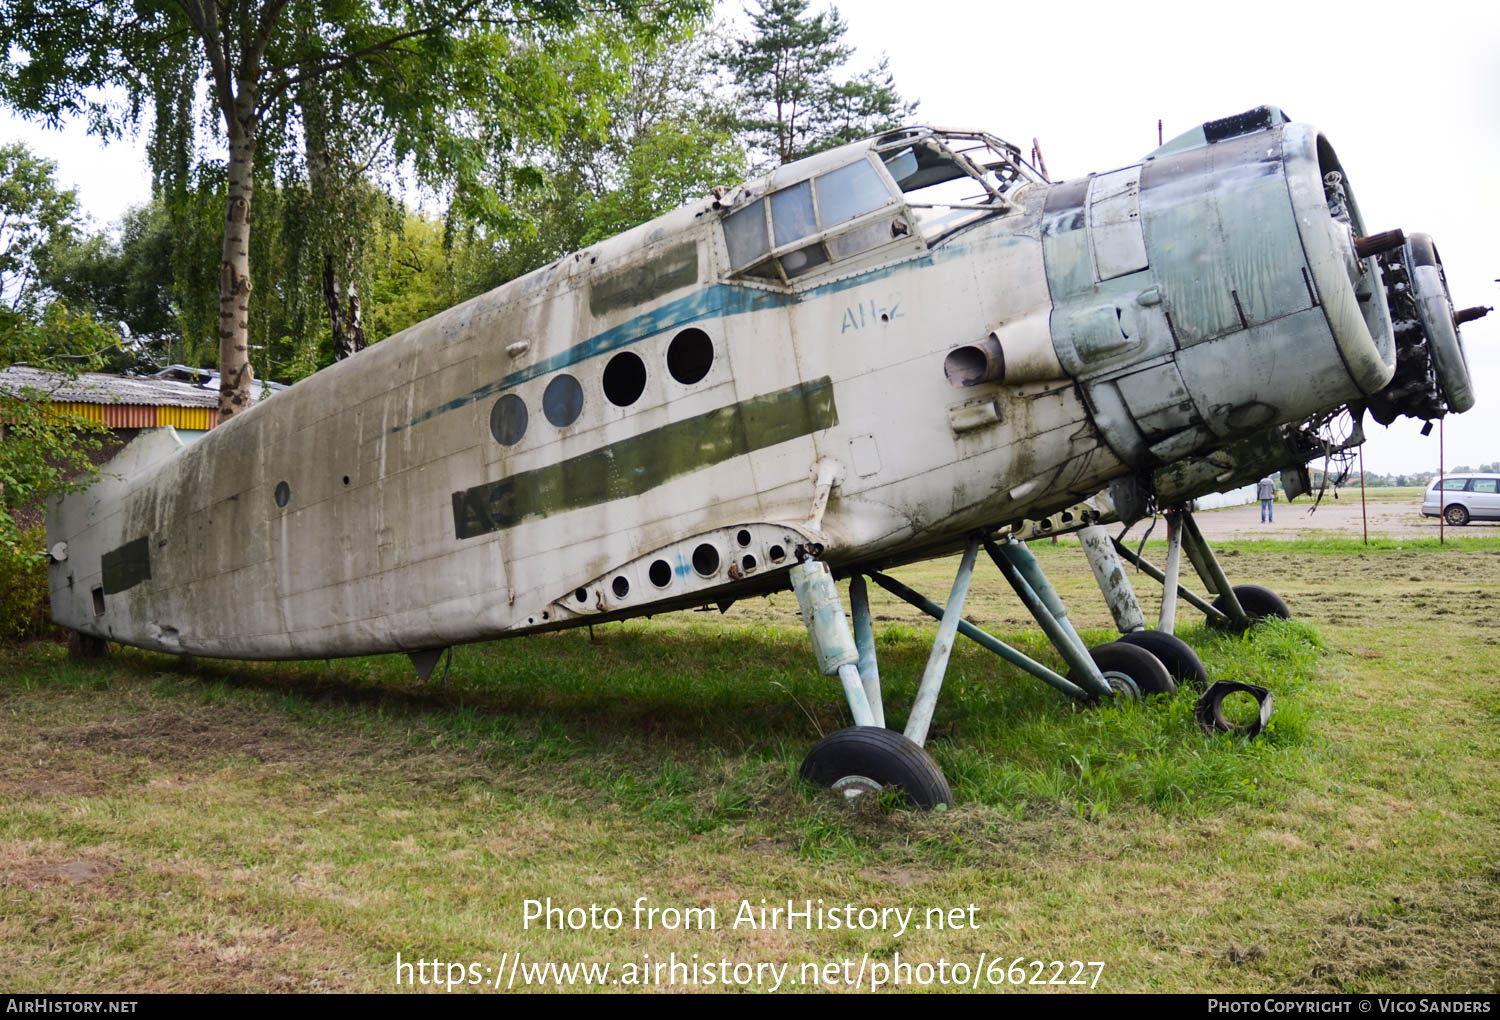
{"x":1234,"y":611}
{"x":1156,"y":575}
{"x":1364,"y":515}
{"x":942,"y":647}
{"x":1064,"y":639}
{"x":864,"y":640}
{"x":1113,"y":582}
{"x":1442,"y":492}
{"x":1199,"y":559}
{"x":1167,"y":620}
{"x":828,"y":627}
{"x":985,"y":640}
{"x":854,"y":693}
{"x":1021,"y":558}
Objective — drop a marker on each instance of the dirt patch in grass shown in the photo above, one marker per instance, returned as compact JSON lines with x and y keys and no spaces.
{"x":1412,"y":938}
{"x":68,"y":872}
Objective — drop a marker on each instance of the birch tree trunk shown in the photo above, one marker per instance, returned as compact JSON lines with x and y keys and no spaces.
{"x":346,"y":320}
{"x":331,"y":189}
{"x":235,"y":373}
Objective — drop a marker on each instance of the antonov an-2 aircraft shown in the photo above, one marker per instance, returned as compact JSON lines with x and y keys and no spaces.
{"x":905,"y":347}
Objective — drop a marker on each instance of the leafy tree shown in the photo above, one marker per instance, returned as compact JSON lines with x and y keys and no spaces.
{"x":670,"y":137}
{"x":412,"y":274}
{"x":126,"y":280}
{"x":39,"y":447}
{"x":37,"y":221}
{"x":787,"y":74}
{"x":661,"y":135}
{"x":447,"y":82}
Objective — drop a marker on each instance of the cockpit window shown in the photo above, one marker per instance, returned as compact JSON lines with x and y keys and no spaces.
{"x":951,"y":179}
{"x":850,"y":191}
{"x":837,"y":215}
{"x":745,"y":233}
{"x":803,"y":260}
{"x":933,"y":183}
{"x":921,"y":166}
{"x":792,"y":212}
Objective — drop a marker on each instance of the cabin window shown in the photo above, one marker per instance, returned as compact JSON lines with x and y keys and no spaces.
{"x":624,"y":379}
{"x":690,"y":355}
{"x":706,"y":560}
{"x":562,"y":401}
{"x":508,"y":420}
{"x":660,"y":573}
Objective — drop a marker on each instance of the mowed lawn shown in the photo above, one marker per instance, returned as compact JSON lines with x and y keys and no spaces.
{"x":197,"y":825}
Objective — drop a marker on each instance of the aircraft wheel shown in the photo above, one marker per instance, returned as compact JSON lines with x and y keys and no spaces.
{"x":1456,"y":514}
{"x":1175,"y":654}
{"x":866,"y":759}
{"x":1258,"y":603}
{"x":1131,"y":670}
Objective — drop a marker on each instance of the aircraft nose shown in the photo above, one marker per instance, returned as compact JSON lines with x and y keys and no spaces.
{"x":1217,"y":289}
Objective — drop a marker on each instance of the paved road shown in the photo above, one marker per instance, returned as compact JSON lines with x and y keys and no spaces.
{"x":1332,"y":518}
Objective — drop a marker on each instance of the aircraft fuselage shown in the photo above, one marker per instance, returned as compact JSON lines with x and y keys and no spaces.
{"x":661,"y":420}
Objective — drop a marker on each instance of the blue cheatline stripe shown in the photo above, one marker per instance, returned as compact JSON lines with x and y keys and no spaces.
{"x":717,"y":300}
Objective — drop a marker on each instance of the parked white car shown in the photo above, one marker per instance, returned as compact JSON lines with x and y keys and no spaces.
{"x":1465,"y":498}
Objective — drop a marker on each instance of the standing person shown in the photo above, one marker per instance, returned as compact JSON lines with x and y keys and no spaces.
{"x":1265,"y":491}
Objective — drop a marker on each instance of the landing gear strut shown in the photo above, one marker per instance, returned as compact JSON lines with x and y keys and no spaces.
{"x":1236,"y":607}
{"x":868,"y":757}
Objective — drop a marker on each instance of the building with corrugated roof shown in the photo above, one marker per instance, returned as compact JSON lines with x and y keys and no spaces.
{"x":120,"y":403}
{"x":185,"y":398}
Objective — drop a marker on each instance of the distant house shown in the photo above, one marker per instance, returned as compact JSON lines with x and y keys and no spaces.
{"x":183,"y":397}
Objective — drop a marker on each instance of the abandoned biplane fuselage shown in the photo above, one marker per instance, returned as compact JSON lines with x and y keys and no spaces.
{"x":901,"y":347}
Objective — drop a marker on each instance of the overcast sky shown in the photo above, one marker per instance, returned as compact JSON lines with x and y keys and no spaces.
{"x":1408,"y":93}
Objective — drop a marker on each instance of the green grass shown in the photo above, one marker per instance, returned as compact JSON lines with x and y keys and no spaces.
{"x":169,"y":824}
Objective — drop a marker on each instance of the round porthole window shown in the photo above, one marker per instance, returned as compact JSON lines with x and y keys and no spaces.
{"x":624,"y":379}
{"x":690,"y":356}
{"x":706,"y":560}
{"x":562,"y":402}
{"x":508,"y":420}
{"x":660,"y":573}
{"x":283,"y":494}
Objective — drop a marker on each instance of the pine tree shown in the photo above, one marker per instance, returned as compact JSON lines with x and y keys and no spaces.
{"x":793,"y":96}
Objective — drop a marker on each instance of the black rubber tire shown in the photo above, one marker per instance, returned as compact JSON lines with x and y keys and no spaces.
{"x":1456,"y":514}
{"x":1145,"y":670}
{"x":1175,"y":654}
{"x":1258,"y":603}
{"x":883,"y":756}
